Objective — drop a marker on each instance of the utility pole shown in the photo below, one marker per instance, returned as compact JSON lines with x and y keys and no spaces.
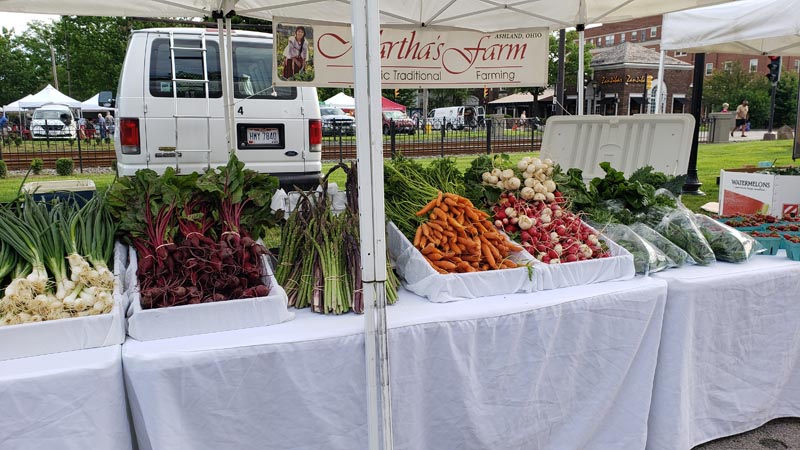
{"x":53,"y":62}
{"x":69,"y":74}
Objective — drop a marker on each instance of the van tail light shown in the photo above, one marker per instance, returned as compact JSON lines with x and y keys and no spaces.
{"x":129,"y":136}
{"x":315,"y":134}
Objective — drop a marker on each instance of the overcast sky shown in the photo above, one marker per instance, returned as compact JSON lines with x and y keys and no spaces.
{"x":19,"y":21}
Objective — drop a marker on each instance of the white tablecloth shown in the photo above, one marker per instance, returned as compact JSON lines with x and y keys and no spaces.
{"x":564,"y":369}
{"x":64,"y":401}
{"x":729,"y":359}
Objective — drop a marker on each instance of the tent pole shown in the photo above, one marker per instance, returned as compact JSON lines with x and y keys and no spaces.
{"x":369,"y":149}
{"x":579,"y":86}
{"x":231,"y":93}
{"x":562,"y":38}
{"x":660,"y":82}
{"x":692,"y":185}
{"x":224,"y":79}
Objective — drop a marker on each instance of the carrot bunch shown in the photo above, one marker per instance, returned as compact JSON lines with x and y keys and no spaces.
{"x":458,"y":237}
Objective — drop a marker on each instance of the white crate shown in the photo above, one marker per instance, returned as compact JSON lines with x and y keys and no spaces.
{"x":619,"y":266}
{"x":187,"y":320}
{"x":422,"y":279}
{"x":64,"y":335}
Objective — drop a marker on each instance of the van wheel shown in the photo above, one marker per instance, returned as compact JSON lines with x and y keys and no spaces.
{"x":449,"y":127}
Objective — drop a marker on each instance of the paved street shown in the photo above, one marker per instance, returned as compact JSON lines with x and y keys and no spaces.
{"x":780,"y":434}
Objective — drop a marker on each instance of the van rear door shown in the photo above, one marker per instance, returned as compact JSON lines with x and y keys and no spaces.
{"x":271,"y":127}
{"x":182,"y":125}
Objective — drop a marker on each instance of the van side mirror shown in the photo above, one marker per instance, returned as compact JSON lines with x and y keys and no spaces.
{"x":106,"y":98}
{"x":66,"y":119}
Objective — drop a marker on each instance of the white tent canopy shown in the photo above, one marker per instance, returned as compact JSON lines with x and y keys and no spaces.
{"x":93,"y":104}
{"x":365,"y":16}
{"x":750,"y":27}
{"x":14,"y":107}
{"x":48,"y":95}
{"x":468,"y":14}
{"x":341,"y":100}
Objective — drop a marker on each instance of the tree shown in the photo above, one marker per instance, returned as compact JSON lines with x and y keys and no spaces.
{"x":734,"y":85}
{"x":18,"y":75}
{"x":786,"y":100}
{"x":571,"y":59}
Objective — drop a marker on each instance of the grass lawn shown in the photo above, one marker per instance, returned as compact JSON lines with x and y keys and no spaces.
{"x":711,"y":158}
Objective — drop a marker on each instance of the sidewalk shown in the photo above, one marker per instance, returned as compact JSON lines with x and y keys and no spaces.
{"x":752,"y":135}
{"x":779,"y":434}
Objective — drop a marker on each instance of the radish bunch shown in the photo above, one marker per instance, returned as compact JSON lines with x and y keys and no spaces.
{"x":547,"y":231}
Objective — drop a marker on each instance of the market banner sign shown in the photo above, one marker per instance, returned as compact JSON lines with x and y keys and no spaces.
{"x":320,"y":54}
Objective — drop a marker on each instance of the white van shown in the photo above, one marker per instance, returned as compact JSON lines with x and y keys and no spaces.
{"x":53,"y":121}
{"x":174,"y":121}
{"x":457,"y":117}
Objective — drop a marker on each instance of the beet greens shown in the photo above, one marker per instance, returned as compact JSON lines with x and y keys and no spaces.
{"x":195,"y":235}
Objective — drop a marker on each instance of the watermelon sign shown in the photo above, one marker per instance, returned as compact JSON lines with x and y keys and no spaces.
{"x":751,"y":193}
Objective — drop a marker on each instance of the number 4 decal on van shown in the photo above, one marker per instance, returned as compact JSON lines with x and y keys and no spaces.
{"x":240,"y":110}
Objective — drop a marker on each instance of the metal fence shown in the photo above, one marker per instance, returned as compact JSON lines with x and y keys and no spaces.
{"x":422,"y":138}
{"x":429,"y":138}
{"x":19,"y":150}
{"x":706,"y":134}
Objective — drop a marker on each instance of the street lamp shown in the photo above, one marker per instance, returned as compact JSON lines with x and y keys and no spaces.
{"x":595,"y":91}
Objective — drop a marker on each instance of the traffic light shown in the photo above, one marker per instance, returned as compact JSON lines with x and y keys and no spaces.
{"x":485,"y":92}
{"x":649,"y":83}
{"x":396,"y":93}
{"x":774,"y":67}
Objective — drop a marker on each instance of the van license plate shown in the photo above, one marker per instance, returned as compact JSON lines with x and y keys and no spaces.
{"x":261,"y":136}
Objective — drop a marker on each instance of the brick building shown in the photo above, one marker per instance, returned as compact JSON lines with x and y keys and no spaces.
{"x":620,"y":72}
{"x":647,"y":32}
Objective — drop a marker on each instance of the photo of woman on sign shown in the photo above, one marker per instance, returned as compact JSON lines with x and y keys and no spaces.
{"x":296,"y":64}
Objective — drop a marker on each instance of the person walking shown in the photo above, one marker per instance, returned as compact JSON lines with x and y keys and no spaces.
{"x":101,"y":125}
{"x":742,"y":114}
{"x":3,"y":124}
{"x":110,"y":125}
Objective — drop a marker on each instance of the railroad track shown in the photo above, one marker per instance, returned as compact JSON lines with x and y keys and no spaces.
{"x":330,"y":152}
{"x":91,"y":158}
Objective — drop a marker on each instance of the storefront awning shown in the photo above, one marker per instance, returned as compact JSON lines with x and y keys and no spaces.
{"x":637,"y":100}
{"x":608,"y":101}
{"x":680,"y":100}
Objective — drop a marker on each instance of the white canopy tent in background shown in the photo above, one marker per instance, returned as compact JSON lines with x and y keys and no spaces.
{"x":48,"y":95}
{"x":342,"y":101}
{"x":746,"y":27}
{"x":365,"y":16}
{"x":93,"y":105}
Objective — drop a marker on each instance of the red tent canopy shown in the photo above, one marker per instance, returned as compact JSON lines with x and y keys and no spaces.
{"x":389,"y":105}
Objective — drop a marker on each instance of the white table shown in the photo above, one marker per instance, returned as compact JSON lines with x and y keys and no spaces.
{"x":65,"y":401}
{"x":729,"y":359}
{"x":569,"y":368}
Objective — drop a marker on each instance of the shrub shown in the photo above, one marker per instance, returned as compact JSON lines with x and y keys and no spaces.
{"x":3,"y":169}
{"x":108,"y":140}
{"x":64,"y":166}
{"x":18,"y":141}
{"x":37,"y":165}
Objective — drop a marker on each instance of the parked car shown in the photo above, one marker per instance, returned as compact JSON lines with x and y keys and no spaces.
{"x":167,"y":117}
{"x":402,"y":123}
{"x":457,"y":117}
{"x":335,"y":121}
{"x":53,"y":122}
